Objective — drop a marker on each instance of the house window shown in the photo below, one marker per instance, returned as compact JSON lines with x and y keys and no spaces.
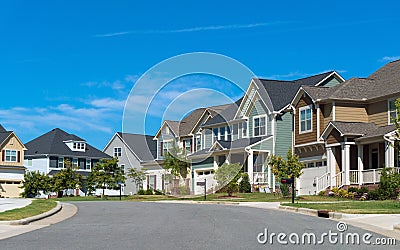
{"x":229,"y":133}
{"x":244,"y":129}
{"x":258,"y":162}
{"x":221,"y":135}
{"x":166,"y":146}
{"x":117,"y":152}
{"x":198,"y":142}
{"x":188,"y":145}
{"x":305,"y":119}
{"x":88,"y":163}
{"x":75,"y":162}
{"x":215,"y":134}
{"x":260,"y":127}
{"x":11,"y":155}
{"x":392,"y":111}
{"x":75,"y":145}
{"x":60,"y":162}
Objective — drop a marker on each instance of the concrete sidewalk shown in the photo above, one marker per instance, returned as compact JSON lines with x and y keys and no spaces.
{"x":7,"y":230}
{"x":10,"y":203}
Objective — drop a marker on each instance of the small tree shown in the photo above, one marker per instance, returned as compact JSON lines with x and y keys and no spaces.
{"x":227,"y":177}
{"x":389,"y":185}
{"x":175,"y":161}
{"x":244,"y":185}
{"x":67,"y":178}
{"x":289,"y":168}
{"x":35,"y":182}
{"x":106,"y":175}
{"x":138,"y":176}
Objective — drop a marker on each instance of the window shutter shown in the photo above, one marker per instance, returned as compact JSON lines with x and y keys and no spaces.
{"x":19,"y":156}
{"x":162,"y":182}
{"x":191,"y":145}
{"x":3,"y":155}
{"x":155,"y":182}
{"x":162,"y":149}
{"x":148,"y":181}
{"x":184,"y":144}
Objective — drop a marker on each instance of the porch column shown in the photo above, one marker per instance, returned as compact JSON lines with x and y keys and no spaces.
{"x":331,"y":165}
{"x":360,"y":160}
{"x":250,"y":166}
{"x":389,"y":154}
{"x":346,"y":164}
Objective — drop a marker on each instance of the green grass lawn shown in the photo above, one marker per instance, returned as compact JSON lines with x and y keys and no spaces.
{"x":222,"y":197}
{"x":35,"y":208}
{"x":354,"y":207}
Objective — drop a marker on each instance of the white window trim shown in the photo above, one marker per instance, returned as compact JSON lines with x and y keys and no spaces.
{"x":301,"y":109}
{"x":116,"y":152}
{"x":266,"y":125}
{"x":10,"y":150}
{"x":388,"y":110}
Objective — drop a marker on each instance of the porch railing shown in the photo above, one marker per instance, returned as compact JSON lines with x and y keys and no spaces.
{"x":354,"y":176}
{"x":338,"y":179}
{"x":260,"y":178}
{"x":323,"y":182}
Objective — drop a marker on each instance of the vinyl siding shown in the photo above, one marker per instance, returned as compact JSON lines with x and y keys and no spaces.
{"x":266,"y":145}
{"x":258,"y":108}
{"x":309,"y":136}
{"x":207,"y":163}
{"x":377,"y":113}
{"x":331,"y":82}
{"x":350,"y":113}
{"x":12,"y":143}
{"x":334,"y":137}
{"x":283,"y":141}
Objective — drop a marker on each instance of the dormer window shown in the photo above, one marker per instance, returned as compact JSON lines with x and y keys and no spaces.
{"x":76,"y":145}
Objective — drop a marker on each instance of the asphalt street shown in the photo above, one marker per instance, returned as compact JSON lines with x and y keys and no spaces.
{"x":136,"y":225}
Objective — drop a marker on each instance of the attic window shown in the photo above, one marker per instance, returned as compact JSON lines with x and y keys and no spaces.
{"x":79,"y":145}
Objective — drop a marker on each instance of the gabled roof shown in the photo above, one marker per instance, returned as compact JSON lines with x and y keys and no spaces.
{"x":384,"y":82}
{"x":363,"y":130}
{"x":172,"y":125}
{"x":4,"y":134}
{"x":315,"y":79}
{"x":143,"y":146}
{"x":53,"y":143}
{"x":2,"y":129}
{"x":187,"y":123}
{"x":226,"y":114}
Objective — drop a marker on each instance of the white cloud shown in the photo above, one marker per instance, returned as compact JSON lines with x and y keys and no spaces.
{"x":108,"y":103}
{"x":115,"y":85}
{"x":389,"y":58}
{"x":192,"y":29}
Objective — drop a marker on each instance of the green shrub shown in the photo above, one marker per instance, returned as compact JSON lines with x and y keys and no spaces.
{"x":362,"y":190}
{"x":343,"y":193}
{"x":149,"y":192}
{"x":285,"y":189}
{"x":335,"y":190}
{"x":141,"y":192}
{"x":353,"y":190}
{"x":244,"y":185}
{"x":389,"y":184}
{"x":374,"y":195}
{"x":321,"y":193}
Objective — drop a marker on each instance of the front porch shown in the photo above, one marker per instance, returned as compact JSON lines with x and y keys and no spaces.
{"x":357,"y":164}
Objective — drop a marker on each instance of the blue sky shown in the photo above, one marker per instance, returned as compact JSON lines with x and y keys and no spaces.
{"x":72,"y":64}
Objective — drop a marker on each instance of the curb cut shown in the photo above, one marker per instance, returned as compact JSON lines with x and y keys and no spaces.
{"x":314,"y":212}
{"x":396,"y":227}
{"x":34,"y":218}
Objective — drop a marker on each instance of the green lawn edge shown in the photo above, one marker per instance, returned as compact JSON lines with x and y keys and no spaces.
{"x":353,"y":207}
{"x":35,"y":208}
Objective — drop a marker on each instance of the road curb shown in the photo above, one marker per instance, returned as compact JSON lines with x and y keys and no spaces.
{"x":396,"y":227}
{"x":314,"y":212}
{"x":34,"y":218}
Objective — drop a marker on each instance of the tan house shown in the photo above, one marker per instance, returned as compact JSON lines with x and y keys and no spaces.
{"x":344,"y":134}
{"x":11,"y":164}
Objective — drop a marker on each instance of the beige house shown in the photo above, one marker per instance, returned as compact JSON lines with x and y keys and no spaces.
{"x":11,"y":164}
{"x":345,"y":134}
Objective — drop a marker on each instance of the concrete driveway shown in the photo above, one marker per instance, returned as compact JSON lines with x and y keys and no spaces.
{"x":9,"y":203}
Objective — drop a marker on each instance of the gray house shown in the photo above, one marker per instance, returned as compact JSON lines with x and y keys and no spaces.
{"x":131,"y":150}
